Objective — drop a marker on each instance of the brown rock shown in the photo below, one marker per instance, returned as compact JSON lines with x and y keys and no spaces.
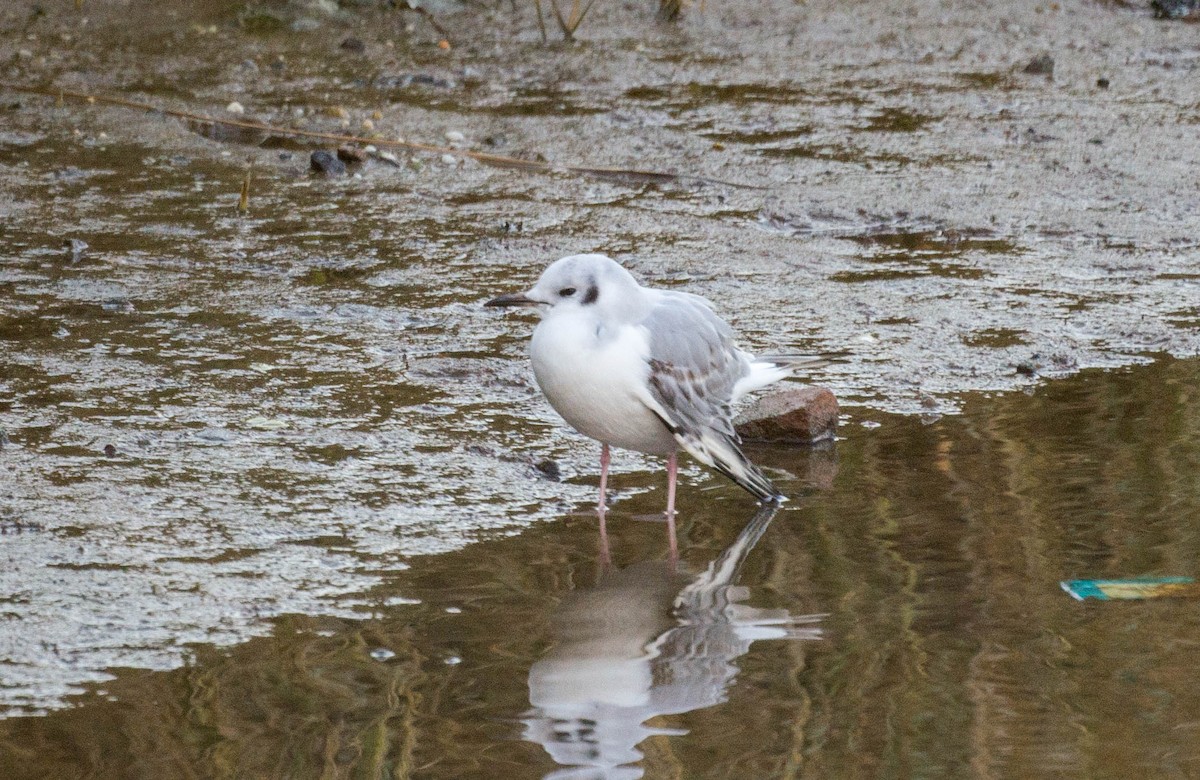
{"x":804,"y":415}
{"x":348,"y":154}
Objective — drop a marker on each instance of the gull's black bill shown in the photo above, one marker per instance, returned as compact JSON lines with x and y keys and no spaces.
{"x":516,"y":299}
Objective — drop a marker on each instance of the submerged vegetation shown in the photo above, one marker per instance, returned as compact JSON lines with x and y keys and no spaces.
{"x":668,"y":11}
{"x":568,"y":23}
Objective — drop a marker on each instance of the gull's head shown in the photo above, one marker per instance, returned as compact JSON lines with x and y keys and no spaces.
{"x":581,"y":283}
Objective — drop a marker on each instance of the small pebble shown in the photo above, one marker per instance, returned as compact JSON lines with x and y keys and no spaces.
{"x":110,"y":451}
{"x":1102,"y":83}
{"x":455,"y":137}
{"x":235,"y":108}
{"x":119,"y":306}
{"x":216,"y":435}
{"x":549,"y":469}
{"x":382,"y":654}
{"x":1028,"y":367}
{"x":266,"y":424}
{"x":354,"y":45}
{"x":348,"y":154}
{"x":1041,"y":65}
{"x":322,"y":161}
{"x":449,"y":159}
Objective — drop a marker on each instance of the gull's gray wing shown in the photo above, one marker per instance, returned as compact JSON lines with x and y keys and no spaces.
{"x":694,"y":365}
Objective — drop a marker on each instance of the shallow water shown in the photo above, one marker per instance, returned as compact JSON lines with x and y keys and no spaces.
{"x":903,"y":617}
{"x":234,"y":448}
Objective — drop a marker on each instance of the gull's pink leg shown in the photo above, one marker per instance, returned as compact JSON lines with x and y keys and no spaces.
{"x":605,"y":556}
{"x":603,"y":477}
{"x":672,"y":470}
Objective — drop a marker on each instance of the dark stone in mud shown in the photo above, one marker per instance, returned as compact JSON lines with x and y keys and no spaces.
{"x":804,"y":415}
{"x":1037,"y":363}
{"x":1174,"y":9}
{"x":110,"y":451}
{"x":1102,"y":83}
{"x":118,"y":306}
{"x":1041,"y":65}
{"x":549,"y":470}
{"x":1034,"y":137}
{"x":351,"y":156}
{"x":323,"y":162}
{"x":354,"y":45}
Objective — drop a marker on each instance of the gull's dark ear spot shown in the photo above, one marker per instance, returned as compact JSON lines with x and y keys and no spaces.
{"x":593,"y":292}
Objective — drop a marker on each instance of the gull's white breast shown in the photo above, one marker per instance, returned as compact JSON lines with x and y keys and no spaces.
{"x":595,"y":379}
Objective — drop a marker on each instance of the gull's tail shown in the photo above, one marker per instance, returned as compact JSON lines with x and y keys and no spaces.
{"x":769,"y":369}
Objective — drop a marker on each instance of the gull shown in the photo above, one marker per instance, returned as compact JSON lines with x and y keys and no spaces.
{"x":644,"y":369}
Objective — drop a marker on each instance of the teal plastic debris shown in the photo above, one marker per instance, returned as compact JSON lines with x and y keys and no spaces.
{"x":1135,"y":588}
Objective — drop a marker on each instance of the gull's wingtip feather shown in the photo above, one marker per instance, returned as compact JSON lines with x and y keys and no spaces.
{"x":723,"y":454}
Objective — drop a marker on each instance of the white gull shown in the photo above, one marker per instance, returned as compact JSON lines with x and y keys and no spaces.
{"x":644,"y":369}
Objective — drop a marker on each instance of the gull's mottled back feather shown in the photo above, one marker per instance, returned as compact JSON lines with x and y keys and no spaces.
{"x":694,"y":368}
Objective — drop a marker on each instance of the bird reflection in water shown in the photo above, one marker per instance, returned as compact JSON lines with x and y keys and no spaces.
{"x":646,"y":641}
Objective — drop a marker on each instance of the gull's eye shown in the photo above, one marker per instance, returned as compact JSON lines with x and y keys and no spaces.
{"x":567,"y":292}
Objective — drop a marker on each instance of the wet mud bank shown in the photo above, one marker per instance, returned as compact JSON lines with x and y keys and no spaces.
{"x":213,"y":417}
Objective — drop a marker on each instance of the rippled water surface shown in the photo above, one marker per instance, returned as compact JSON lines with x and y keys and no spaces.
{"x":278,"y":498}
{"x":901,"y":617}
